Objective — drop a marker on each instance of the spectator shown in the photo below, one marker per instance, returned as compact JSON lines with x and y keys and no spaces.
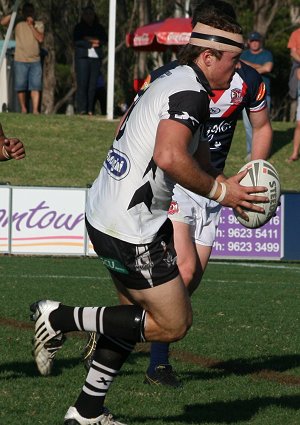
{"x":294,"y":46}
{"x":100,"y":95}
{"x":10,"y":148}
{"x":261,"y":60}
{"x":89,"y":36}
{"x":29,"y":35}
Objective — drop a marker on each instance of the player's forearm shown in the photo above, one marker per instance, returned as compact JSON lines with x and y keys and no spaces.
{"x":262,"y":142}
{"x":184,"y":170}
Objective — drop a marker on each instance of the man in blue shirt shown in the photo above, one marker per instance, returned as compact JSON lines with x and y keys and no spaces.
{"x":261,"y":60}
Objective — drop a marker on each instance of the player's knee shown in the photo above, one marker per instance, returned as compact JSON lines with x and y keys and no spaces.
{"x":178,"y":332}
{"x":187,"y":272}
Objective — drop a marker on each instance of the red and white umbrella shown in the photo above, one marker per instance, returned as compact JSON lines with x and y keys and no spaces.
{"x":158,"y":36}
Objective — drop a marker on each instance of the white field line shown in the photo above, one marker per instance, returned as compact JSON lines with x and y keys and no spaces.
{"x":54,"y":276}
{"x":258,"y":265}
{"x":223,"y":263}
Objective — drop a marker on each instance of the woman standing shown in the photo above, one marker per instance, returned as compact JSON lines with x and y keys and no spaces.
{"x":89,"y":36}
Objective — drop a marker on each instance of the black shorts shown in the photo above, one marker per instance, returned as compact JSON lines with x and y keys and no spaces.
{"x":138,"y":266}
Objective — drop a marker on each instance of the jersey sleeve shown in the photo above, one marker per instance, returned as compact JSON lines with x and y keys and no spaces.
{"x":257,"y":94}
{"x":188,"y":107}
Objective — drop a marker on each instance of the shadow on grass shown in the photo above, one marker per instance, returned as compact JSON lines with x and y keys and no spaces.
{"x":16,"y":370}
{"x":269,"y":368}
{"x":225,"y":411}
{"x":281,"y":139}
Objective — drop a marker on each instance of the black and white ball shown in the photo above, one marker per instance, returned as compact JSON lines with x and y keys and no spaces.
{"x":261,"y":173}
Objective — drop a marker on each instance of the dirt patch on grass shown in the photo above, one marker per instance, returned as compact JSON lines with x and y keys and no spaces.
{"x":238,"y":367}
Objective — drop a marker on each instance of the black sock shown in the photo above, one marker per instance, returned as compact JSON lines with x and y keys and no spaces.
{"x":108,"y":359}
{"x":123,"y":321}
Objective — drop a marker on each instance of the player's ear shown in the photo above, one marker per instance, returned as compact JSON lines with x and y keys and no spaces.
{"x":208,"y":57}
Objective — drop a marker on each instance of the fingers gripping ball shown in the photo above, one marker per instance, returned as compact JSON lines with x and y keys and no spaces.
{"x":261,"y":173}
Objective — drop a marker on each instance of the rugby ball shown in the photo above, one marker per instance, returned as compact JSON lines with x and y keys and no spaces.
{"x":261,"y":173}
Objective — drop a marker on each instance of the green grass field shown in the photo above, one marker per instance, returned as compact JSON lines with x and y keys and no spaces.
{"x":68,"y":151}
{"x":240,"y":362}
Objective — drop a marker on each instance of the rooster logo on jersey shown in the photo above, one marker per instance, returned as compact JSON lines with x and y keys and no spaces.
{"x":236,"y":96}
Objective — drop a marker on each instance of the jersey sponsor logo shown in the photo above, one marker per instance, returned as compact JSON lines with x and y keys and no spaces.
{"x":114,"y":265}
{"x":214,"y":111}
{"x":186,"y":116}
{"x":261,"y":91}
{"x":174,"y":208}
{"x":117,"y":164}
{"x":236,"y":96}
{"x":223,"y":127}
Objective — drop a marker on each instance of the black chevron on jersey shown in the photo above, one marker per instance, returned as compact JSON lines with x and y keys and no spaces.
{"x":143,"y":194}
{"x":151,"y":166}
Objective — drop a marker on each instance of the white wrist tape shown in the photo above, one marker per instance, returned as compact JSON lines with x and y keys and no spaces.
{"x":223,"y":193}
{"x":213,"y":190}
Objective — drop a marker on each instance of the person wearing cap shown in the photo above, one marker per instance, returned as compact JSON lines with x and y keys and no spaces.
{"x":127,"y":217}
{"x":262,"y":60}
{"x":294,"y":86}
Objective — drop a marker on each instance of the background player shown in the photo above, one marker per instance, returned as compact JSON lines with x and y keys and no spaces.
{"x":195,"y":219}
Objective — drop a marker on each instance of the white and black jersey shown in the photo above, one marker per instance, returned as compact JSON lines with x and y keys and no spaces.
{"x":131,"y":196}
{"x":247,"y":90}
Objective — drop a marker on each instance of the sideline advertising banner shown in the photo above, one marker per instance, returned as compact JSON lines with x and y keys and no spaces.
{"x":47,"y":221}
{"x":50,"y":221}
{"x":236,"y":241}
{"x":5,"y":192}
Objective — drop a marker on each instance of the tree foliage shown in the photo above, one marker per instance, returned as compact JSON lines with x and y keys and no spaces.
{"x":275,"y":19}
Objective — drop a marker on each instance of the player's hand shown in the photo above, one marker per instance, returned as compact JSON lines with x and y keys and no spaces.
{"x":241,"y":197}
{"x":14,"y":148}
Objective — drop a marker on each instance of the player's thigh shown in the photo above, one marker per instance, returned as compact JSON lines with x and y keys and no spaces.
{"x":204,"y":253}
{"x":169,"y":309}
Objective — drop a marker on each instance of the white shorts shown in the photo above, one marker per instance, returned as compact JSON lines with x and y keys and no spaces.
{"x":200,"y":213}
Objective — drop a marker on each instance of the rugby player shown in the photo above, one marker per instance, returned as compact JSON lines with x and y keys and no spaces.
{"x":127,"y":217}
{"x":195,"y":218}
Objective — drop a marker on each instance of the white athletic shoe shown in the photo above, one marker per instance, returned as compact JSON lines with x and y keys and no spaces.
{"x":46,"y":340}
{"x":74,"y":418}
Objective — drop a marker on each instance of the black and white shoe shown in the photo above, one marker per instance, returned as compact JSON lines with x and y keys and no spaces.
{"x":46,"y":340}
{"x":74,"y":418}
